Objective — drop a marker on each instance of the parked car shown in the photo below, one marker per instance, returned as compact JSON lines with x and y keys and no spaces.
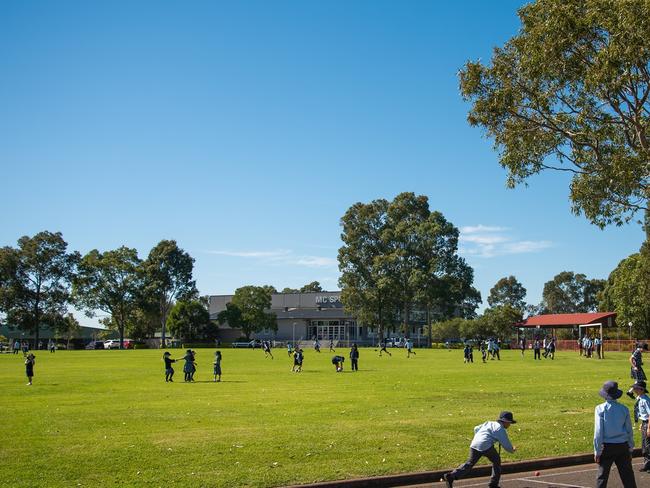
{"x":95,"y":345}
{"x":112,"y":344}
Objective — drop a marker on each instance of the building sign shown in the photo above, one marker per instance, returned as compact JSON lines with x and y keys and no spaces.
{"x":329,"y":301}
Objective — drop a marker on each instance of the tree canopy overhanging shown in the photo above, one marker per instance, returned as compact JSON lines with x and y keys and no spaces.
{"x":570,"y":93}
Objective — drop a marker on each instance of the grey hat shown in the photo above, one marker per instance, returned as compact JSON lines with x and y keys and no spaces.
{"x":610,"y":391}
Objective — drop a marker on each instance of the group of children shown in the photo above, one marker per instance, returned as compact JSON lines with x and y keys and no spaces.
{"x":189,"y":368}
{"x":588,"y":346}
{"x":489,"y":349}
{"x":547,"y":344}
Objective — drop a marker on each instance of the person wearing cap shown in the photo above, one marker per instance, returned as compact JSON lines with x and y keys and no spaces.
{"x":642,"y":413}
{"x":485,"y":436}
{"x":613,"y":437}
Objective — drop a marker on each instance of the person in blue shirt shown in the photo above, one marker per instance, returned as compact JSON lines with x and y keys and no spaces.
{"x":642,"y":414}
{"x":485,"y":436}
{"x":613,"y":437}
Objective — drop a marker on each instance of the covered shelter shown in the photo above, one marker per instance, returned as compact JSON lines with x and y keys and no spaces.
{"x":570,"y":320}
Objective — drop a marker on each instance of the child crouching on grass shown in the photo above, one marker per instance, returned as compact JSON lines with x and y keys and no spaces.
{"x":217,"y":366}
{"x":337,"y":361}
{"x":485,"y":436}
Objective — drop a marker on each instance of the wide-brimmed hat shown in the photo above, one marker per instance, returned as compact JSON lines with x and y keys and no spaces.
{"x":506,"y":417}
{"x":640,"y":385}
{"x":610,"y":391}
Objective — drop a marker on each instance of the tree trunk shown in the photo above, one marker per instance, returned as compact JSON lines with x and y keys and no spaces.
{"x":163,"y":320}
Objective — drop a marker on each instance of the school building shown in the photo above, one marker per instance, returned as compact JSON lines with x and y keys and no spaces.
{"x":305,"y":316}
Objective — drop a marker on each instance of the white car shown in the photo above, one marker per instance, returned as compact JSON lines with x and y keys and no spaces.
{"x":112,"y":344}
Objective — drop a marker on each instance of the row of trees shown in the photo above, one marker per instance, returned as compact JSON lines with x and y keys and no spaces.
{"x":40,"y":279}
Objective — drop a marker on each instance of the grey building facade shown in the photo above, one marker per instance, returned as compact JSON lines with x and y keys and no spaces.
{"x":301,"y":316}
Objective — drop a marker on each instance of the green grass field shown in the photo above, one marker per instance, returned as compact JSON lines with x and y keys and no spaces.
{"x":107,"y":418}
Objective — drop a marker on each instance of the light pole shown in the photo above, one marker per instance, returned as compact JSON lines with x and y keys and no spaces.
{"x":630,"y":325}
{"x":293,"y":335}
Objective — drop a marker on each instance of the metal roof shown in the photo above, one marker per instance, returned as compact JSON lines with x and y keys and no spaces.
{"x":567,"y":319}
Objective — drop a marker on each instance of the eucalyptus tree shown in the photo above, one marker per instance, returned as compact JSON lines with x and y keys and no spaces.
{"x":111,"y":282}
{"x":571,"y":92}
{"x":167,"y":273}
{"x":35,"y":281}
{"x":508,"y":291}
{"x":367,"y":290}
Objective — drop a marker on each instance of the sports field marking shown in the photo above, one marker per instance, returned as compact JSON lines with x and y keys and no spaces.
{"x":555,"y":483}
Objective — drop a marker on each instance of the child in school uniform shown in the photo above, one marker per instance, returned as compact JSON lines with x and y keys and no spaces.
{"x":485,"y":436}
{"x":29,"y":367}
{"x":537,"y":350}
{"x":297,"y":361}
{"x":217,"y":366}
{"x":189,"y":367}
{"x":169,"y":371}
{"x":409,"y":348}
{"x":483,"y":351}
{"x":354,"y":357}
{"x":337,"y":361}
{"x":642,"y":414}
{"x":468,"y":354}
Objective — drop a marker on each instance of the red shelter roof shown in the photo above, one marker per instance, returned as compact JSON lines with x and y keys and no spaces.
{"x":569,"y":320}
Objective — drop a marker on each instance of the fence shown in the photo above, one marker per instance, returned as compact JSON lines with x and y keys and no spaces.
{"x":609,"y":345}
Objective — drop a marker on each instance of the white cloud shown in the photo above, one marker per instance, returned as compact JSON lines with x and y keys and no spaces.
{"x":472,"y":229}
{"x":252,"y":254}
{"x":281,"y":257}
{"x":487,"y":241}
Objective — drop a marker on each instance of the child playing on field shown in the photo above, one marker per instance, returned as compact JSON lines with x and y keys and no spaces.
{"x":354,"y":357}
{"x":289,"y":349}
{"x":485,"y":436}
{"x":297,"y":361}
{"x":483,"y":351}
{"x":383,"y":348}
{"x":189,"y":366}
{"x":409,"y":348}
{"x":337,"y":361}
{"x":468,"y":354}
{"x":217,"y":366}
{"x":169,"y":371}
{"x":29,"y":367}
{"x":266,"y":345}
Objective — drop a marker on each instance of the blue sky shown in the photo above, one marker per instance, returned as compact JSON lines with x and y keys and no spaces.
{"x":244,"y":130}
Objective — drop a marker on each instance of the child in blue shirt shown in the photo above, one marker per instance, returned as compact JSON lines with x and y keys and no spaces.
{"x":485,"y":436}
